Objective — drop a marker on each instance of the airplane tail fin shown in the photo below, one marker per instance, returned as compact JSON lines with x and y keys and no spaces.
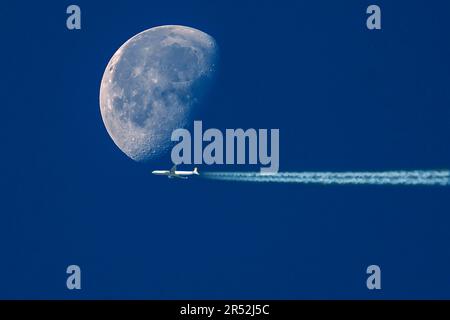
{"x":196,"y":171}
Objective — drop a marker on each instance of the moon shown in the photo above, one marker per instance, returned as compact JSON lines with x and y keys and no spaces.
{"x":152,"y":85}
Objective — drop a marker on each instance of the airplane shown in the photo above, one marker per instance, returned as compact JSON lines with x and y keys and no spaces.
{"x":173,"y":173}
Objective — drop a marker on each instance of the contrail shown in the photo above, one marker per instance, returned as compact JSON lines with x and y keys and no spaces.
{"x":409,"y":178}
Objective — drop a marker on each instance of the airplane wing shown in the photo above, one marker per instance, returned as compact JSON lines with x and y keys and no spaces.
{"x":174,"y":168}
{"x":179,"y":177}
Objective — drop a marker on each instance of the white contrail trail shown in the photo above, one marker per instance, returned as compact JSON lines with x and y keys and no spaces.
{"x":418,"y":177}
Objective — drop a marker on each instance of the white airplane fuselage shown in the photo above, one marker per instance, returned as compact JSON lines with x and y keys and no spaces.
{"x":175,"y":173}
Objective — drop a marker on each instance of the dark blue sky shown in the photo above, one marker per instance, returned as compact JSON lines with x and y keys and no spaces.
{"x":344,"y":98}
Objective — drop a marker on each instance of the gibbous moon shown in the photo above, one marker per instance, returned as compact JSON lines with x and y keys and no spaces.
{"x":151,"y":86}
